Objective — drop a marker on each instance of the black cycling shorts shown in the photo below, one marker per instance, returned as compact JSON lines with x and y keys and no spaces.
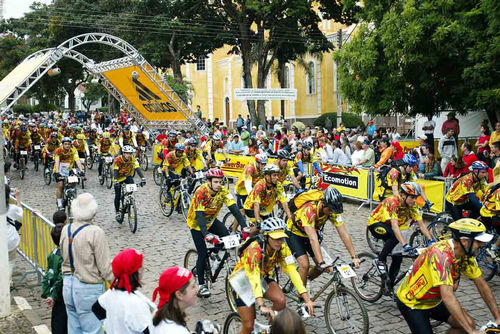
{"x":299,"y":245}
{"x":492,"y":223}
{"x":241,"y":303}
{"x":419,"y":320}
{"x":250,"y":214}
{"x":240,"y":200}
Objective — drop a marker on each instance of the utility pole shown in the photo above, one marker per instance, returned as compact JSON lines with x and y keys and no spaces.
{"x":339,"y":98}
{"x":4,"y":252}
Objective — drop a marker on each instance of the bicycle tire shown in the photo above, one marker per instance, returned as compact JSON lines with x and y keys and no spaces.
{"x":346,"y":315}
{"x":374,"y":243}
{"x":102,"y":179}
{"x":232,"y":319}
{"x":229,"y":294}
{"x":36,"y":161}
{"x":21,"y":168}
{"x":417,"y":239}
{"x":439,"y":230}
{"x":132,"y":215}
{"x":367,"y":284}
{"x":107,"y":175}
{"x":488,"y":265}
{"x":166,"y":203}
{"x":144,"y":162}
{"x":47,"y":177}
{"x":89,"y":162}
{"x":158,"y":175}
{"x":82,"y":180}
{"x":228,"y":222}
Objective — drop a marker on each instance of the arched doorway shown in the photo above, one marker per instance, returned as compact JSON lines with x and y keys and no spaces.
{"x":228,"y":112}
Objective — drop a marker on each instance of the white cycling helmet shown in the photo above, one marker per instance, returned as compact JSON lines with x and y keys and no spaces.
{"x":261,"y":158}
{"x":274,"y":227}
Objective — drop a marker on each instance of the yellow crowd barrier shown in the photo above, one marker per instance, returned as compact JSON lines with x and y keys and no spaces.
{"x":36,"y":243}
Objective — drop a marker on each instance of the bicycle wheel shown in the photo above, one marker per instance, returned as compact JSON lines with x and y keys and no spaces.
{"x":144,"y":162}
{"x":102,"y":179}
{"x":374,"y":243}
{"x":47,"y":176}
{"x":345,"y":312}
{"x":233,"y":324}
{"x":36,"y":161}
{"x":166,"y":203}
{"x":367,"y":283}
{"x":487,"y":263}
{"x":228,"y":222}
{"x":82,"y":180}
{"x":229,"y":294}
{"x":21,"y":168}
{"x":132,"y":216}
{"x":89,"y":162}
{"x":439,"y":230}
{"x":158,"y":175}
{"x":418,"y":239}
{"x":107,"y":175}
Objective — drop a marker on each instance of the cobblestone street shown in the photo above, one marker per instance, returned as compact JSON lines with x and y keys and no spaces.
{"x":164,"y":242}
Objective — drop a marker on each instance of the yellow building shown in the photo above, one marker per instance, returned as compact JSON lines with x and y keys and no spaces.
{"x":214,"y":79}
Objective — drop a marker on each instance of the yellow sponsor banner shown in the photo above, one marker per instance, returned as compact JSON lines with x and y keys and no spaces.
{"x":143,"y":94}
{"x":349,"y":181}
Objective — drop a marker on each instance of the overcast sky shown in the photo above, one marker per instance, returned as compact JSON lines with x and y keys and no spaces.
{"x":16,"y":8}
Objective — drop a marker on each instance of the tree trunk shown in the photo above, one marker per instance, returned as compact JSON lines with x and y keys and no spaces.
{"x":176,"y":69}
{"x":247,"y":79}
{"x":493,"y":117}
{"x":113,"y":105}
{"x":71,"y":99}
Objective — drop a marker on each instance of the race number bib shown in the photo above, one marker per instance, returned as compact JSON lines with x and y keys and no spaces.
{"x":64,"y":168}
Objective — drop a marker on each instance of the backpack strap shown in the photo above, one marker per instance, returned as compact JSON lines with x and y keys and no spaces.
{"x":71,"y":237}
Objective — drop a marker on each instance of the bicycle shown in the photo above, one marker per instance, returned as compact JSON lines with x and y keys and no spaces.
{"x":128,"y":206}
{"x":178,"y":197}
{"x":48,"y":172}
{"x":143,"y":158}
{"x":69,"y":192}
{"x":92,"y":158}
{"x":344,"y":311}
{"x":216,"y":261}
{"x":37,"y":153}
{"x":82,"y":180}
{"x":487,"y":260}
{"x":158,"y":175}
{"x":233,"y":325}
{"x":23,"y":161}
{"x":106,"y":176}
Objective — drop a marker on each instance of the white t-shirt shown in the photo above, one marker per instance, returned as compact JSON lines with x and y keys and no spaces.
{"x":168,"y":327}
{"x":357,"y":156}
{"x":125,"y":313}
{"x":430,"y":123}
{"x":15,"y":213}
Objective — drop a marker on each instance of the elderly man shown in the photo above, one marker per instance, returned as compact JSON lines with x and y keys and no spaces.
{"x":86,"y":265}
{"x":235,"y":146}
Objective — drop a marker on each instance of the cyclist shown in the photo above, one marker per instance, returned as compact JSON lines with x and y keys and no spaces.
{"x":304,"y":157}
{"x":124,"y":167}
{"x":202,"y":219}
{"x":126,"y":137}
{"x":141,"y":140}
{"x":463,"y":194}
{"x":22,"y":141}
{"x":103,"y":149}
{"x":305,"y":232}
{"x":80,"y":144}
{"x":50,"y":146}
{"x":264,"y":195}
{"x":388,"y":220}
{"x":490,"y":212}
{"x":282,"y":162}
{"x":215,"y":145}
{"x":175,"y":165}
{"x":194,"y":154}
{"x":258,"y":261}
{"x":428,"y":290}
{"x":168,"y":144}
{"x":64,"y":160}
{"x":248,"y":178}
{"x":36,"y":136}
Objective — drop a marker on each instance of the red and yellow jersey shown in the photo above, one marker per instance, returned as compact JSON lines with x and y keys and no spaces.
{"x":51,"y":146}
{"x":250,"y":173}
{"x":211,"y":147}
{"x":394,"y":208}
{"x":462,"y":187}
{"x":105,"y":145}
{"x":301,"y":156}
{"x":80,"y":145}
{"x":36,"y":138}
{"x":174,"y":163}
{"x":435,"y":266}
{"x":284,"y":172}
{"x":66,"y":159}
{"x":128,"y":137}
{"x":195,"y":157}
{"x":266,"y":196}
{"x":125,"y":167}
{"x":256,"y":269}
{"x":309,"y":215}
{"x":491,"y":202}
{"x":209,"y":202}
{"x":92,"y":138}
{"x":22,"y":140}
{"x":395,"y":177}
{"x":168,"y":145}
{"x":140,"y":138}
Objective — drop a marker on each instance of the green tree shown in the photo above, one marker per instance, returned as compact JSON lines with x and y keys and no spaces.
{"x":94,"y":92}
{"x":422,"y":57}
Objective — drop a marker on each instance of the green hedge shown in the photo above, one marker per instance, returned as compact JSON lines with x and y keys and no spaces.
{"x":21,"y":109}
{"x":350,"y":120}
{"x":44,"y":107}
{"x":103,"y":109}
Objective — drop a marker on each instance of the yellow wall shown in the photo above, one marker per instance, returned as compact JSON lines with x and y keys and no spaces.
{"x":226,"y":69}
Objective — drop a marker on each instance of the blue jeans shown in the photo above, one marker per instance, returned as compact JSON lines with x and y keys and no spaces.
{"x":79,"y":298}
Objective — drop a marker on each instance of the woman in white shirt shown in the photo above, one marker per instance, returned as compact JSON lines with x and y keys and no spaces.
{"x":14,"y":212}
{"x":357,"y":155}
{"x":178,"y":290}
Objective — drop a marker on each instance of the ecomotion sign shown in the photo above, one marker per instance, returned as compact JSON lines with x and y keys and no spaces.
{"x":143,"y":94}
{"x":243,"y":94}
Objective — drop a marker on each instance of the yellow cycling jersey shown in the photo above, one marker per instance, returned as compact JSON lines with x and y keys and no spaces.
{"x":395,"y":177}
{"x":195,"y":157}
{"x":491,"y":202}
{"x":462,"y":187}
{"x":105,"y":145}
{"x":256,"y":269}
{"x":250,"y":173}
{"x":66,"y":159}
{"x":125,"y":167}
{"x":174,"y":163}
{"x":209,"y":202}
{"x":309,"y":215}
{"x":394,"y":208}
{"x":266,"y":196}
{"x":284,"y":172}
{"x":80,"y":145}
{"x":434,"y":267}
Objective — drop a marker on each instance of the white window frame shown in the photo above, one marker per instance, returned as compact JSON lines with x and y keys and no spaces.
{"x":311,"y":80}
{"x":286,"y":76}
{"x":201,"y":61}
